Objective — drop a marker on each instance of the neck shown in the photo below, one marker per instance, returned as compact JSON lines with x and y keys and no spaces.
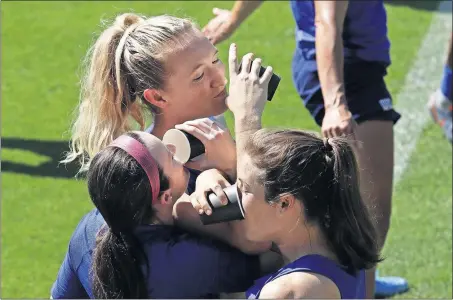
{"x":301,"y":241}
{"x":162,"y":125}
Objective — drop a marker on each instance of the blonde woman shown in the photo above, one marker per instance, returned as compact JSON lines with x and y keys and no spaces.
{"x":162,"y":66}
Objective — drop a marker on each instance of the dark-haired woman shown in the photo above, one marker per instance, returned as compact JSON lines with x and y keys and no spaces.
{"x":301,"y":193}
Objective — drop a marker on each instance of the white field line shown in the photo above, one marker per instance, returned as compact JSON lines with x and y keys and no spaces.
{"x":423,"y":78}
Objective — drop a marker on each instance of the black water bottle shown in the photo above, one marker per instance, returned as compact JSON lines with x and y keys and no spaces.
{"x":224,"y":213}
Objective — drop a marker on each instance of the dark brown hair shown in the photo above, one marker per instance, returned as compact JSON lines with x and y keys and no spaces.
{"x":120,"y":190}
{"x":323,"y":174}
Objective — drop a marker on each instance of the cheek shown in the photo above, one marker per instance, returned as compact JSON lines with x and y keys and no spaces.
{"x":198,"y":93}
{"x":247,"y":203}
{"x":253,"y":210}
{"x":259,"y":219}
{"x":184,"y":92}
{"x":256,"y":218}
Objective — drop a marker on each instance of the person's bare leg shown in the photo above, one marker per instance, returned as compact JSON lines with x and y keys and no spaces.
{"x":376,"y":158}
{"x":370,"y":282}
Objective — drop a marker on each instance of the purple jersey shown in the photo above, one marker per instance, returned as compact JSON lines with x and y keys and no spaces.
{"x":350,"y":287}
{"x":181,"y":265}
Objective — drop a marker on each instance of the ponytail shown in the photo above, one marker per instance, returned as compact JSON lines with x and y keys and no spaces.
{"x":101,"y":117}
{"x":125,"y":60}
{"x":346,"y":223}
{"x":324,"y":177}
{"x":117,"y":260}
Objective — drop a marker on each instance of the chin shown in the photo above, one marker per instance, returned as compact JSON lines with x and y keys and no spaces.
{"x":212,"y":112}
{"x":220,"y":109}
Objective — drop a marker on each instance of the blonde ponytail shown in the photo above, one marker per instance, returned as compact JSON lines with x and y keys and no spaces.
{"x":124,"y":61}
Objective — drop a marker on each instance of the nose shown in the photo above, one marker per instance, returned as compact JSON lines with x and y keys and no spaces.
{"x":219,"y":79}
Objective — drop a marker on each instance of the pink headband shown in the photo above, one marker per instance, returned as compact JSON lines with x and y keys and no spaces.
{"x":138,"y":151}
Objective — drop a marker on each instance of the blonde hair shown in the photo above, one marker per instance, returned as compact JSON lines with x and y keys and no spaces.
{"x":126,"y":59}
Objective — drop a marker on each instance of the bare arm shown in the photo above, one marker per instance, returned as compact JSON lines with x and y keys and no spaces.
{"x":226,"y":22}
{"x":300,"y":285}
{"x":245,"y":126}
{"x":242,"y":9}
{"x":229,"y":232}
{"x":329,"y":21}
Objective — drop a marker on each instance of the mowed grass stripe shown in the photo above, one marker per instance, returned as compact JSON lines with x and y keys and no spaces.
{"x":419,"y":244}
{"x":423,"y":78}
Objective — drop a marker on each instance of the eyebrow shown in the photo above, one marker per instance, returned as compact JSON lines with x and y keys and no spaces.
{"x":199,"y":65}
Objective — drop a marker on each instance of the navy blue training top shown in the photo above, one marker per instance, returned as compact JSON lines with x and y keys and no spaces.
{"x":350,"y":287}
{"x":181,"y":265}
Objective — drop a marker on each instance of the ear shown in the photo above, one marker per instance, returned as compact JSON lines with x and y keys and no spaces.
{"x":155,"y":98}
{"x":285,"y":203}
{"x":166,"y":198}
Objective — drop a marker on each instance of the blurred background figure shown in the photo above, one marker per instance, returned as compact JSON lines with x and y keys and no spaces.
{"x":440,"y":103}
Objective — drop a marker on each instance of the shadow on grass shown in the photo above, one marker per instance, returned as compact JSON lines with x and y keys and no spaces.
{"x":429,"y":5}
{"x":54,"y":150}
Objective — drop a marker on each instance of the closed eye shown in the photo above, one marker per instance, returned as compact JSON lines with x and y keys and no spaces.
{"x":202,"y":74}
{"x":199,"y":77}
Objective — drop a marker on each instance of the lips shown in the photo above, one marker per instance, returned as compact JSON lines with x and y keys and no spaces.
{"x":222,"y":94}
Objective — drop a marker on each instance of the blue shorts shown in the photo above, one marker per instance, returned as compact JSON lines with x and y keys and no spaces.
{"x":366,"y":92}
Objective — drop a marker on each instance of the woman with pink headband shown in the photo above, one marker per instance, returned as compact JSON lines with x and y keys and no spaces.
{"x":138,"y":253}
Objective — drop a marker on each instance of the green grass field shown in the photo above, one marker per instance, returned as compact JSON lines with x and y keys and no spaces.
{"x":42,"y":46}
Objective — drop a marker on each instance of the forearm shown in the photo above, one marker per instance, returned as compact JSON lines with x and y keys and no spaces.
{"x":330,"y":61}
{"x":242,"y":9}
{"x":244,"y":127}
{"x":329,"y":53}
{"x":185,"y":216}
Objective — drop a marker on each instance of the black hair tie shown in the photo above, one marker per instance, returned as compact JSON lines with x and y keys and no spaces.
{"x":327,"y":145}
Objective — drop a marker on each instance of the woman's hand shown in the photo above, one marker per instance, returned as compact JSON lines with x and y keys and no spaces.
{"x":208,"y":181}
{"x":338,"y":121}
{"x":220,"y":148}
{"x":220,"y":27}
{"x":230,"y":232}
{"x":248,"y":91}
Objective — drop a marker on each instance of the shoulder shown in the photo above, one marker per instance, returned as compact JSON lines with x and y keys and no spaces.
{"x":83,"y":238}
{"x":299,"y":285}
{"x":89,"y":224}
